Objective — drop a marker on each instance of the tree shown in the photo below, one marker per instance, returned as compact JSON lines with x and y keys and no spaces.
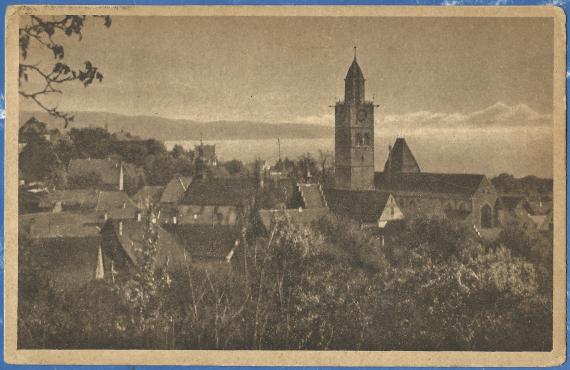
{"x":178,"y":151}
{"x":38,"y":160}
{"x":44,"y":32}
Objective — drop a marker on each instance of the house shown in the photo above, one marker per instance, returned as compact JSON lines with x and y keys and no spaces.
{"x":510,"y":207}
{"x":114,"y":204}
{"x":212,"y":216}
{"x":123,"y":243}
{"x":63,"y":246}
{"x":175,"y":190}
{"x":371,"y":209}
{"x":300,"y":203}
{"x":148,"y":196}
{"x":110,"y":172}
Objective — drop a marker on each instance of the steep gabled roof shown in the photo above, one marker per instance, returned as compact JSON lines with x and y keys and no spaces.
{"x":400,"y":159}
{"x":364,"y":206}
{"x":312,"y":196}
{"x":206,"y":241}
{"x":175,"y":189}
{"x":222,"y":191}
{"x":437,"y":183}
{"x":131,"y":239}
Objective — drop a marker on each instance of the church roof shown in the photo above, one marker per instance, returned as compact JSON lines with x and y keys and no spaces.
{"x":423,"y":182}
{"x":400,"y":159}
{"x":354,"y":72}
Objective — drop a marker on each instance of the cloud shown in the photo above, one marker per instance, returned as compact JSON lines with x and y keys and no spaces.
{"x":497,"y":115}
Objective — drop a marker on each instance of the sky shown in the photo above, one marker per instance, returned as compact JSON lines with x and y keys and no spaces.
{"x":291,"y":69}
{"x":424,"y":73}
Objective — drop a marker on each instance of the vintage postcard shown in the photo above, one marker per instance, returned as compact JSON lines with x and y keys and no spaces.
{"x":345,"y":186}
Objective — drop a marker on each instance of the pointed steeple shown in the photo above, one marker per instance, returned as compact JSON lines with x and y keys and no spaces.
{"x":401,"y":159}
{"x":354,"y":83}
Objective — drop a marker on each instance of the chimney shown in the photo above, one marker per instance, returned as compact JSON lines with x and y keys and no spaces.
{"x":121,"y":187}
{"x":120,"y":227}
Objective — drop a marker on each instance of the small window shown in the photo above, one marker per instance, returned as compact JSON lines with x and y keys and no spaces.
{"x":366,"y":139}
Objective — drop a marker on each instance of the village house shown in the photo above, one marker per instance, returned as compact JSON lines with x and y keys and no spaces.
{"x":300,"y":203}
{"x":211,"y":218}
{"x":63,"y":245}
{"x":511,"y":207}
{"x":122,"y":242}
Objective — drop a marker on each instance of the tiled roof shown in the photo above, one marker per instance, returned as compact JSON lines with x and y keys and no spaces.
{"x":206,"y":241}
{"x":365,"y":205}
{"x":116,"y":203}
{"x":175,"y":189}
{"x":107,"y":169}
{"x":230,"y":191}
{"x":168,"y":248}
{"x":312,"y":196}
{"x":48,"y":225}
{"x":400,"y":159}
{"x":423,"y":182}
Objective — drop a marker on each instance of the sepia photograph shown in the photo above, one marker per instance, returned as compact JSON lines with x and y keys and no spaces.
{"x":261,"y":185}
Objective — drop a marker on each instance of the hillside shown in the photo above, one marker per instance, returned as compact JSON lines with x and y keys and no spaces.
{"x":177,"y":129}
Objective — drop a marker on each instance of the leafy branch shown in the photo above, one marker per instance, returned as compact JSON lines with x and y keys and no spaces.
{"x":42,"y":31}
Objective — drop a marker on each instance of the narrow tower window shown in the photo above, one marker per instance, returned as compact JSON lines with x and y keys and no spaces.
{"x":358,"y":139}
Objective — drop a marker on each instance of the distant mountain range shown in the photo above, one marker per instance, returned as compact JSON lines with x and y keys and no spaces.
{"x":166,"y":129}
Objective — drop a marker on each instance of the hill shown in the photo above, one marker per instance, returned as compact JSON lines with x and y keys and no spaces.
{"x":164,"y":129}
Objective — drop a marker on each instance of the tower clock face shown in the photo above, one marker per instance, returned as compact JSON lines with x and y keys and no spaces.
{"x":361,"y":115}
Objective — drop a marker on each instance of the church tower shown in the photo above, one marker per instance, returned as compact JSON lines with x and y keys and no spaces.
{"x":354,"y":134}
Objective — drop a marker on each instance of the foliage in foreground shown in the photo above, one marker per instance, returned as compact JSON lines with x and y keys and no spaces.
{"x":328,"y":286}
